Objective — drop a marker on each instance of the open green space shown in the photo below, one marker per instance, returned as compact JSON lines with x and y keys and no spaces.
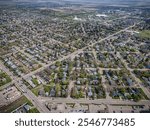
{"x":36,"y":90}
{"x":34,"y":80}
{"x":145,"y":34}
{"x":14,"y":105}
{"x":33,"y":110}
{"x":4,"y":78}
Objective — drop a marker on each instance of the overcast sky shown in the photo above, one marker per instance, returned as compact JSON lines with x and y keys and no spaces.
{"x":79,"y":0}
{"x":91,"y":1}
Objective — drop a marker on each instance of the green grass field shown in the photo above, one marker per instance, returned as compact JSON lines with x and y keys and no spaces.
{"x":9,"y":108}
{"x":36,"y":90}
{"x":4,"y":78}
{"x":145,"y":34}
{"x":33,"y":110}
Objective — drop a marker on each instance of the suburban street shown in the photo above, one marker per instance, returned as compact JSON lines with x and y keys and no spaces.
{"x":40,"y":42}
{"x":39,"y":104}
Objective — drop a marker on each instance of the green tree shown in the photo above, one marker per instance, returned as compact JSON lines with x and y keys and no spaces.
{"x":58,"y":89}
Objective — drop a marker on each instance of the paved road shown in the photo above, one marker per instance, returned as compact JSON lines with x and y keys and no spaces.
{"x":76,"y":52}
{"x":38,"y":102}
{"x":133,"y":75}
{"x":14,"y":78}
{"x":28,"y":93}
{"x":5,"y":69}
{"x":42,"y":108}
{"x":30,"y":56}
{"x":96,"y":101}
